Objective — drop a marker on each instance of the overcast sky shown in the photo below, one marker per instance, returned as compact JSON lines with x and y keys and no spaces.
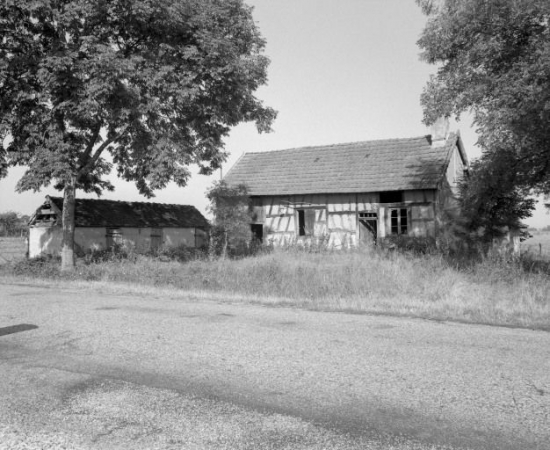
{"x":341,"y":71}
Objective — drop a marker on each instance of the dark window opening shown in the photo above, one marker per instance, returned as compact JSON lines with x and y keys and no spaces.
{"x":306,"y":222}
{"x":391,"y":197}
{"x":257,"y":230}
{"x":301,"y":222}
{"x":399,"y":221}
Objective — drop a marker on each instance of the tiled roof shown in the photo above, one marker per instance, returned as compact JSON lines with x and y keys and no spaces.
{"x":371,"y":166}
{"x":110,"y":213}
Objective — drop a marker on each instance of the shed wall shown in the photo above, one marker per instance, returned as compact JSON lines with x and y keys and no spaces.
{"x":46,"y":240}
{"x":90,"y":238}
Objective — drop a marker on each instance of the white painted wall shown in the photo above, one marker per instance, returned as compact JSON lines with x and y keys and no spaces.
{"x":44,"y":240}
{"x":455,"y":170}
{"x":90,"y":238}
{"x":173,"y":237}
{"x":47,"y":240}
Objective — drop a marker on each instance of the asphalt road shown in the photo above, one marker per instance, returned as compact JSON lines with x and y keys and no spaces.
{"x":85,"y":369}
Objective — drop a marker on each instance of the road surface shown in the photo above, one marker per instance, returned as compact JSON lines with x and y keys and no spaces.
{"x":81,"y":368}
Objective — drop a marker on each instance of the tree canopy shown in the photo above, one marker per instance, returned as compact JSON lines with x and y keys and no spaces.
{"x":493,"y":60}
{"x":148,"y":87}
{"x":157,"y":83}
{"x":13,"y":224}
{"x":491,"y":202}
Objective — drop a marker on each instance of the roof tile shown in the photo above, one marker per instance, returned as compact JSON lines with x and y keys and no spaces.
{"x":370,"y":166}
{"x":111,"y":213}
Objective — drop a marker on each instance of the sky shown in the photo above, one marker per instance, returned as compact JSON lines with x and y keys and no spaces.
{"x":341,"y":71}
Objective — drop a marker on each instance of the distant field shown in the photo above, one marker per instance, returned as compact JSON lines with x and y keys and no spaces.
{"x":12,"y":249}
{"x":531,"y":245}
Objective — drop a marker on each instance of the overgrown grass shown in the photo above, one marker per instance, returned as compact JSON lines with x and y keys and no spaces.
{"x":425,"y":286}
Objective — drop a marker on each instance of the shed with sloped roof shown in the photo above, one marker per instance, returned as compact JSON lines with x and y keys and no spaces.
{"x":353,"y":193}
{"x":100,"y":224}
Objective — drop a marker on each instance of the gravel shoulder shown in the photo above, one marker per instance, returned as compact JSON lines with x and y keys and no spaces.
{"x":103,"y":370}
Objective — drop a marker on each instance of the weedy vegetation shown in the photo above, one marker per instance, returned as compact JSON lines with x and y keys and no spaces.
{"x":414,"y":281}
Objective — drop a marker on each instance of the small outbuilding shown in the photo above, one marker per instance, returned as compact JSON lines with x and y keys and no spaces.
{"x":99,"y":224}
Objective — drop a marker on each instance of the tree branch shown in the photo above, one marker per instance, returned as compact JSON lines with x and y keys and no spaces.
{"x":86,"y":168}
{"x":90,"y":147}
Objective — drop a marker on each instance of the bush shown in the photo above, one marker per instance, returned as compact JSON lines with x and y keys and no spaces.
{"x":409,"y":244}
{"x":41,"y":267}
{"x":117,"y":252}
{"x":181,"y":253}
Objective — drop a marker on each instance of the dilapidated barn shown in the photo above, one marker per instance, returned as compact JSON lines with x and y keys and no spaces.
{"x":101,"y":223}
{"x":353,"y":193}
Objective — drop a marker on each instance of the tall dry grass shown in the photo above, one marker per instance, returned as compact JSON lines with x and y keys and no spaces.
{"x":428,"y":286}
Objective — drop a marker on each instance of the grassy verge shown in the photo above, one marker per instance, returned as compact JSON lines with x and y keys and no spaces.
{"x":381,"y":283}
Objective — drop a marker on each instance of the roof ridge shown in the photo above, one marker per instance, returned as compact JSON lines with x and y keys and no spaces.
{"x":336,"y":145}
{"x":122,"y":201}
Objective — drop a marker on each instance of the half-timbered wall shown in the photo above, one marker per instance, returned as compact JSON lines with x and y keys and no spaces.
{"x":337,"y":216}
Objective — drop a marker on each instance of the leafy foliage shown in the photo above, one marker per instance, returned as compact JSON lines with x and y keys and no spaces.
{"x":493,"y":60}
{"x":491,"y":201}
{"x":230,"y":205}
{"x":492,"y":204}
{"x":13,"y":224}
{"x":155,"y":83}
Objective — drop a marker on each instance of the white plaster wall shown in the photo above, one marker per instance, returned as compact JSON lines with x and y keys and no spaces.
{"x":47,"y":240}
{"x":44,"y":240}
{"x":136,"y":238}
{"x":455,"y":170}
{"x":172,"y":237}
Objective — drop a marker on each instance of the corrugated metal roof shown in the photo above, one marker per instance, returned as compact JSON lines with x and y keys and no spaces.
{"x":114,"y":214}
{"x":371,"y":166}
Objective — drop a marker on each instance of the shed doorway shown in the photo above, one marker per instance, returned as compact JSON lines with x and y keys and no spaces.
{"x":368,"y":228}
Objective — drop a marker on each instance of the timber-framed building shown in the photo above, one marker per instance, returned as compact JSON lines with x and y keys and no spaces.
{"x":347,"y":194}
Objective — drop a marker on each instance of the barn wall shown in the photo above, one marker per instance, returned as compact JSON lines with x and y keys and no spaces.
{"x":46,"y":240}
{"x":136,"y":238}
{"x":140,"y":238}
{"x":173,"y":237}
{"x":90,"y":238}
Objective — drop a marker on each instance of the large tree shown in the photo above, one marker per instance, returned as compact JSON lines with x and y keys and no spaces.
{"x":493,"y":59}
{"x":149,"y":87}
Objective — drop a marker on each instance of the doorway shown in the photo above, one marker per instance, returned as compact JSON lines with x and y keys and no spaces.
{"x":368,"y":228}
{"x":156,"y":239}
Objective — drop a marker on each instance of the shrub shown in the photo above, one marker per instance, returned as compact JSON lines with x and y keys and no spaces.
{"x":181,"y":253}
{"x":117,"y":252}
{"x":41,"y":267}
{"x":409,"y":244}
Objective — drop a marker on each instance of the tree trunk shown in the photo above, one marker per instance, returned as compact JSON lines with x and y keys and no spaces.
{"x":67,"y":244}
